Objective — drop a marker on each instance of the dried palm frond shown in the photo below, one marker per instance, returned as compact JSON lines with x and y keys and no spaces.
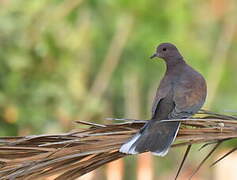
{"x":73,"y":154}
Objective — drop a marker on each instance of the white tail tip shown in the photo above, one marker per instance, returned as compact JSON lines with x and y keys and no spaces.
{"x":162,"y":153}
{"x":127,"y":147}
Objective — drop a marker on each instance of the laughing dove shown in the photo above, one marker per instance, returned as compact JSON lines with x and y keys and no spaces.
{"x":181,"y":93}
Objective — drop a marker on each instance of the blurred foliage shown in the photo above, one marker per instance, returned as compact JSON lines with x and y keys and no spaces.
{"x":53,"y":55}
{"x":67,"y":60}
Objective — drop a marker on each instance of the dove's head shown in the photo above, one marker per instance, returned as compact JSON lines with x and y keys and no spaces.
{"x":167,"y":51}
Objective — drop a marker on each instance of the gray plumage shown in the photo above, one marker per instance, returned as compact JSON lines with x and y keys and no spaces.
{"x":181,"y":93}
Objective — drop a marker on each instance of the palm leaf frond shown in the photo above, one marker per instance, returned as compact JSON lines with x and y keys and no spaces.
{"x":70,"y":155}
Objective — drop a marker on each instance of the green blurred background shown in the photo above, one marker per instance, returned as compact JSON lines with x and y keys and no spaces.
{"x":89,"y":59}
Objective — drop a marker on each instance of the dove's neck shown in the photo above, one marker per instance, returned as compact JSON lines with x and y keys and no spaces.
{"x":173,"y":65}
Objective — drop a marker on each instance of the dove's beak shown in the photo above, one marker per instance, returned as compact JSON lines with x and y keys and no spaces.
{"x":154,"y":55}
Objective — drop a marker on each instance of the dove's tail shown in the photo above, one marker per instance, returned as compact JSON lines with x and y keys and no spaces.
{"x":155,"y":137}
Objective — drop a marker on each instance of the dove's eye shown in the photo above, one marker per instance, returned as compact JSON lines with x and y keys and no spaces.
{"x":164,"y":49}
